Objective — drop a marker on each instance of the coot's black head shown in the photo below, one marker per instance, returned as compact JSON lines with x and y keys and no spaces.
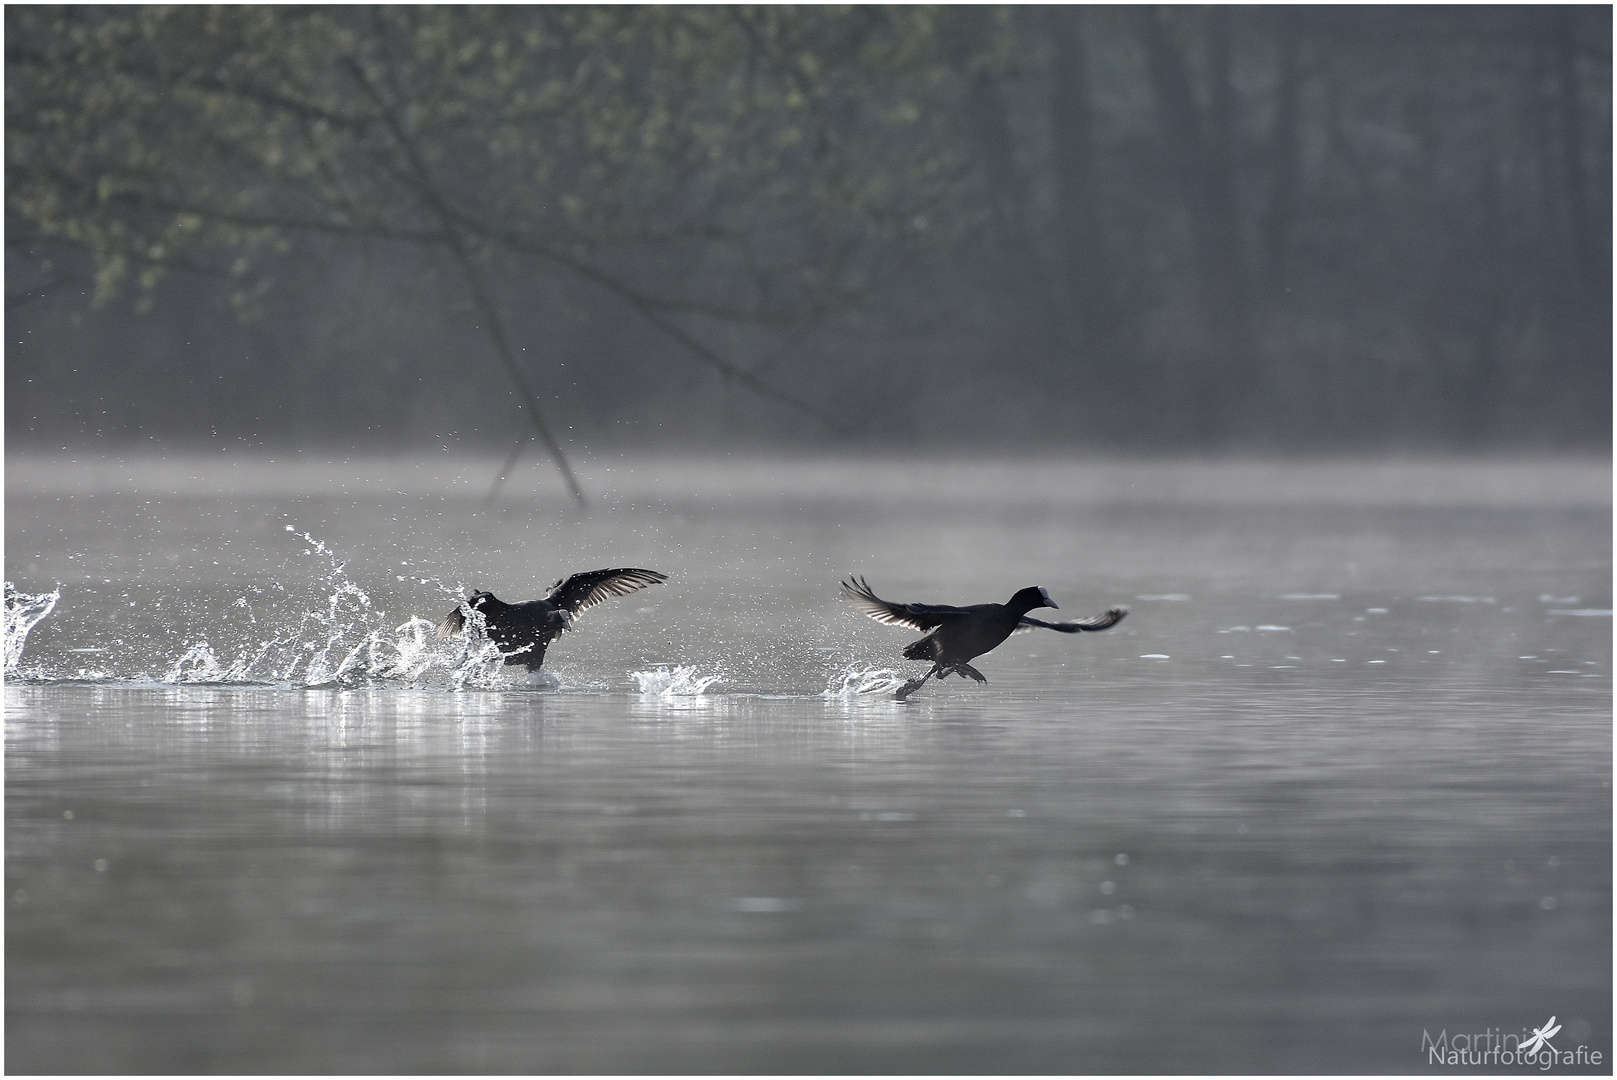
{"x":478,"y":599}
{"x":1031,"y":597}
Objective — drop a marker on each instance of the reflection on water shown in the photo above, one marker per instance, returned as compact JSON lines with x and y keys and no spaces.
{"x":1343,"y":776}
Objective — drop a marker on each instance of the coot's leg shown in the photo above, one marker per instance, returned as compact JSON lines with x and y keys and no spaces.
{"x":915,"y":684}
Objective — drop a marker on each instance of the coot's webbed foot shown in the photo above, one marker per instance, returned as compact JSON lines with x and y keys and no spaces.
{"x":909,"y":688}
{"x":915,"y":684}
{"x":965,"y":670}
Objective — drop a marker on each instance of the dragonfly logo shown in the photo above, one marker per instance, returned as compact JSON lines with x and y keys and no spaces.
{"x":1541,"y":1038}
{"x":1495,"y":1046}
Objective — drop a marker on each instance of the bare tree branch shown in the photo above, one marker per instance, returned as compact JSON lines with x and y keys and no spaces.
{"x":485,"y":303}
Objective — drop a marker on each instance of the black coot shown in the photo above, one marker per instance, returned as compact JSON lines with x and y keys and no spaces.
{"x":523,"y":631}
{"x":958,"y":634}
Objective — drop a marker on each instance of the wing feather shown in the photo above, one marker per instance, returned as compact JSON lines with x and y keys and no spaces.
{"x":1110,"y":618}
{"x":585,"y":590}
{"x":451,"y":624}
{"x":916,"y":616}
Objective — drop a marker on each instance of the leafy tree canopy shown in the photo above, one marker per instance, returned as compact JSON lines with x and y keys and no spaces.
{"x":741,"y":161}
{"x":728,"y":162}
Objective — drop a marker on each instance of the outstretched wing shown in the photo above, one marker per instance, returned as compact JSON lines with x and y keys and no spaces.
{"x":1111,"y":618}
{"x":916,"y":616}
{"x":589,"y":588}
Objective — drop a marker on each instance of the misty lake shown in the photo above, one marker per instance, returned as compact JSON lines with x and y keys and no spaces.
{"x":1339,"y":781}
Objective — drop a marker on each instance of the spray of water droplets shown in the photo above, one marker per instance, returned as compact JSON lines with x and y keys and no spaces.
{"x":335,"y":638}
{"x":24,"y":611}
{"x":674,"y":682}
{"x":857,"y":682}
{"x":323,"y":631}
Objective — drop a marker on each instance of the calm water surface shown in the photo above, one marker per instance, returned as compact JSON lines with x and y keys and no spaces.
{"x":1342,"y":777}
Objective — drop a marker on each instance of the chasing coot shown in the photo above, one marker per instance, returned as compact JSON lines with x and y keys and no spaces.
{"x":523,"y":631}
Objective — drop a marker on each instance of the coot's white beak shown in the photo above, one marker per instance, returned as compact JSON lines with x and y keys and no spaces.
{"x":566,"y":619}
{"x":1047,"y":601}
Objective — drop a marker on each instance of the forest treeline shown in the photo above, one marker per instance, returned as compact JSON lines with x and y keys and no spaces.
{"x":1143,"y":229}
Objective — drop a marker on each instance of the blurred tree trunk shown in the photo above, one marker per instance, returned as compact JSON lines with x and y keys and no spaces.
{"x":1083,"y":252}
{"x":1092,"y":346}
{"x":1283,"y":145}
{"x":1586,"y":327}
{"x":1019,"y":259}
{"x":1569,"y":99}
{"x":1201,"y":156}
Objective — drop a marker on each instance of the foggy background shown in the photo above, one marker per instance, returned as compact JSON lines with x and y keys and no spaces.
{"x":1141,"y":230}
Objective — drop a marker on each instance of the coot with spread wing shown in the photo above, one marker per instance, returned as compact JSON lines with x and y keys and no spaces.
{"x":523,"y":631}
{"x":958,"y":634}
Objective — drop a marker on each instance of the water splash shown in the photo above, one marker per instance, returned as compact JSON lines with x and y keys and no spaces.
{"x":473,"y":661}
{"x":520,"y":678}
{"x":334,"y":637}
{"x":678,"y":681}
{"x":308,"y":625}
{"x":481,"y":666}
{"x":858,"y":681}
{"x":23,"y":612}
{"x":199,"y":665}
